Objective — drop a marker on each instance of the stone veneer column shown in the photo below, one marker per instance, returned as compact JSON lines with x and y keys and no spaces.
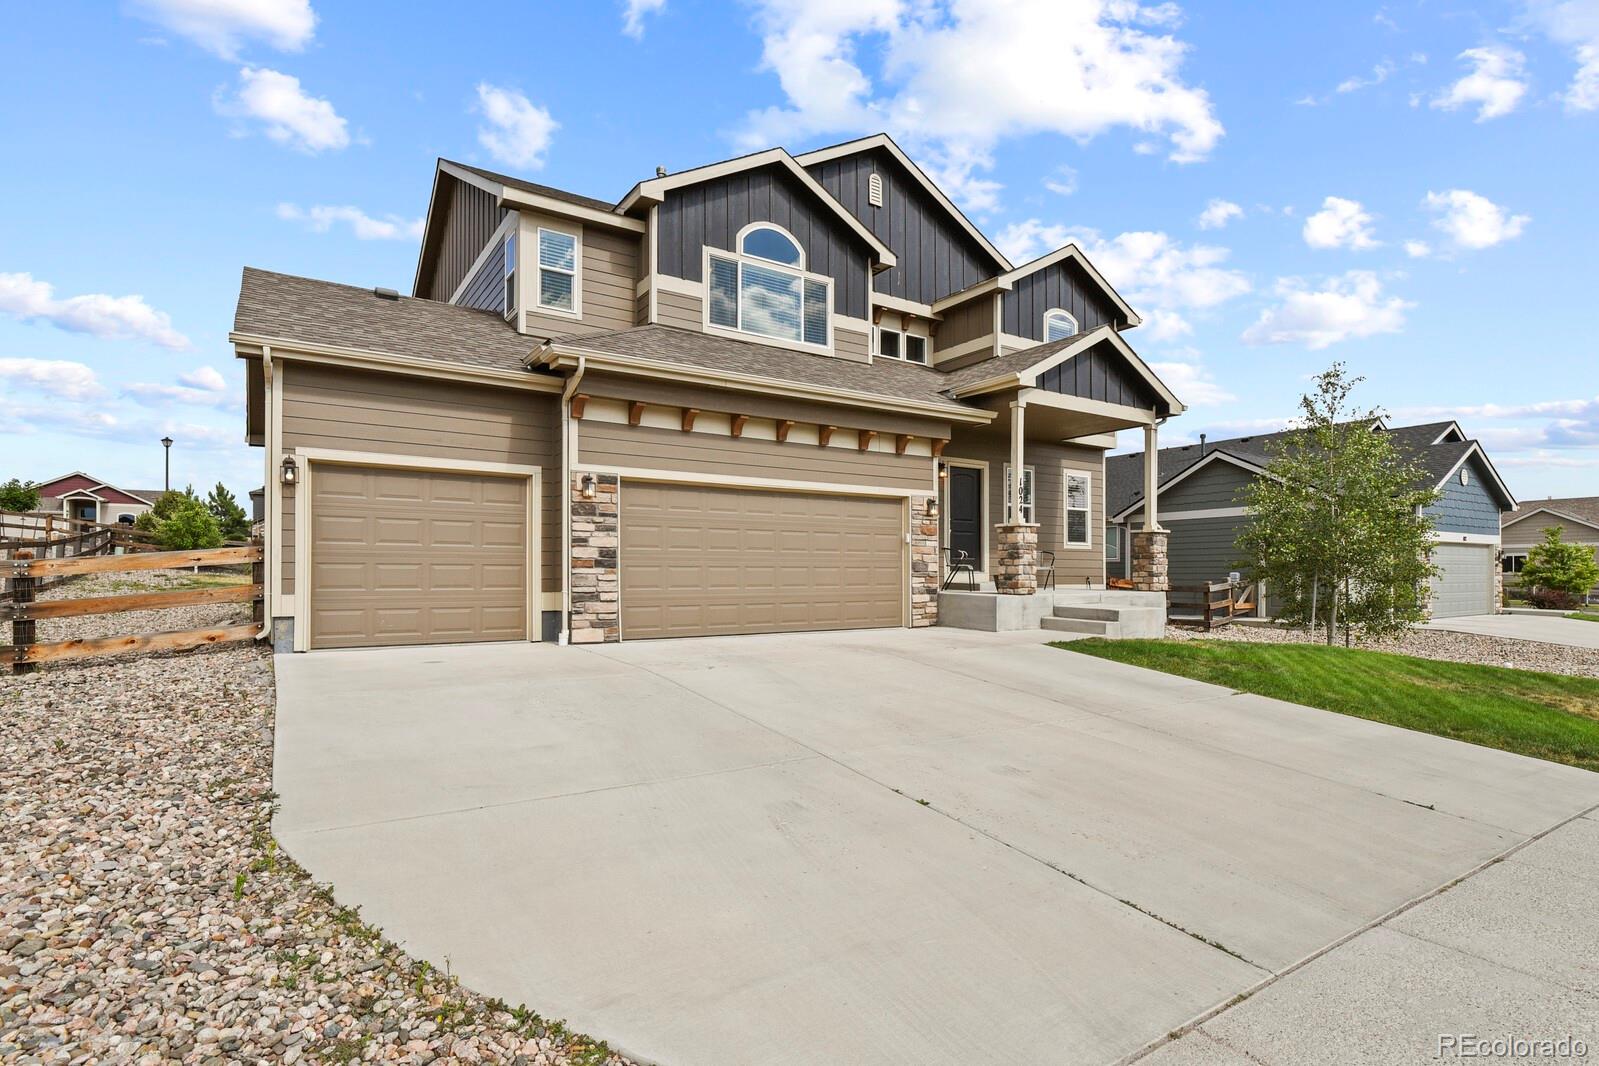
{"x":1016,"y":561}
{"x":924,"y":562}
{"x":1149,"y":560}
{"x":596,"y":585}
{"x":1499,"y":580}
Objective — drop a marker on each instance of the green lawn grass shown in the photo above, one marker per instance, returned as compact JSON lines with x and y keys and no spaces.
{"x":1547,"y":716}
{"x":1584,"y":616}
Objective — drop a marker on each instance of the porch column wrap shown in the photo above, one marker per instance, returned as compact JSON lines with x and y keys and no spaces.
{"x":924,"y":562}
{"x":1018,"y":421}
{"x":1149,"y":560}
{"x":596,"y":582}
{"x":1016,"y":560}
{"x":1151,"y":477}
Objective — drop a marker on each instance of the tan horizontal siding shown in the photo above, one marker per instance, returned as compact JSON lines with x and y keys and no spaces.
{"x":676,"y":309}
{"x":1526,"y":533}
{"x":286,"y":531}
{"x":1073,"y":566}
{"x":360,"y":411}
{"x":852,"y":344}
{"x":611,"y":444}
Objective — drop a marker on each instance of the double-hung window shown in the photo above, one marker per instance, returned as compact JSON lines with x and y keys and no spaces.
{"x":557,"y":271}
{"x":1113,"y":543}
{"x":1058,"y":325}
{"x":895,"y":344}
{"x":765,"y":290}
{"x":1027,"y":494}
{"x":510,"y":275}
{"x":1079,"y":500}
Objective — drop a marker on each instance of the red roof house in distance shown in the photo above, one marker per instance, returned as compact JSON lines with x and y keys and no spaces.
{"x":80,"y":495}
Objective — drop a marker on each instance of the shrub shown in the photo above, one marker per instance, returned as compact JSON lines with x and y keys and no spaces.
{"x":18,"y":495}
{"x":1557,"y":567}
{"x":1552,"y":599}
{"x":189,"y":527}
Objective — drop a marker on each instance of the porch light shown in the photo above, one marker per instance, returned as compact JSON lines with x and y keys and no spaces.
{"x":586,"y":486}
{"x":943,"y":471}
{"x":290,"y":473}
{"x":932,"y":507}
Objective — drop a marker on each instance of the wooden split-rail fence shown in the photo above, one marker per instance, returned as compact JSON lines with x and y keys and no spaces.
{"x":24,"y":610}
{"x":1210,"y":605}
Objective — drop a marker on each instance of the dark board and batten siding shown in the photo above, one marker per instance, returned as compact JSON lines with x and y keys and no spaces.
{"x":711,"y":213}
{"x":1064,"y":285}
{"x":1469,"y":508}
{"x":1101,"y":373}
{"x":936,"y":255}
{"x":470,"y":218}
{"x":486,"y":290}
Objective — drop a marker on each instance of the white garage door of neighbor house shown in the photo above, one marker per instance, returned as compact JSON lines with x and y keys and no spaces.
{"x":1465,"y":581}
{"x":416,"y":557}
{"x":702,"y":561}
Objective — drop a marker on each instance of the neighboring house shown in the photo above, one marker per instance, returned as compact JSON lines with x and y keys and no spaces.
{"x":80,"y":495}
{"x":1577,"y":517}
{"x":760,"y":395}
{"x":1201,"y":503}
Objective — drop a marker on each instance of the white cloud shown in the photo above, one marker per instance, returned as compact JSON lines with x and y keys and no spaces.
{"x":223,"y":26}
{"x":320,"y":218}
{"x":1064,"y":182}
{"x":1163,"y":278}
{"x":1074,"y":69}
{"x":1340,"y":223}
{"x":99,"y":315}
{"x":208,"y":378}
{"x":289,"y":114}
{"x":1494,"y":87}
{"x":1025,"y":241}
{"x":1379,"y":74}
{"x":204,"y":386}
{"x":633,"y":12}
{"x":1418,"y":249}
{"x":1575,"y":24}
{"x":1218,"y":213}
{"x":55,"y":377}
{"x":1473,"y":221}
{"x":518,"y":131}
{"x":1192,"y":383}
{"x":1345,"y":307}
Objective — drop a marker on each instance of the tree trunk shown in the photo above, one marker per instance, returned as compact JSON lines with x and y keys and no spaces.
{"x":1332,"y":613}
{"x":1315,"y":587}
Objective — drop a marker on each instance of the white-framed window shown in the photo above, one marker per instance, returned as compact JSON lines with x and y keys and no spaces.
{"x":1078,"y":500}
{"x":1113,"y":543}
{"x":558,"y":256}
{"x":510,"y":275}
{"x":1058,"y":325}
{"x":897,"y":344}
{"x":1028,"y":480}
{"x":765,"y":290}
{"x":1512,"y":564}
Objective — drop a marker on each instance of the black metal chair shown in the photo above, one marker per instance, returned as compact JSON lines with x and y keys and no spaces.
{"x":957,"y":562}
{"x":1046,"y":570}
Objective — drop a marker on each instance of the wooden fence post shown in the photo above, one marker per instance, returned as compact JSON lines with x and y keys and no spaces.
{"x":21,"y":631}
{"x":258,"y":577}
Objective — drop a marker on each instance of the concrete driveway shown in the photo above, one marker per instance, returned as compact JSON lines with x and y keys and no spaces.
{"x":886,"y":847}
{"x":1550,"y":629}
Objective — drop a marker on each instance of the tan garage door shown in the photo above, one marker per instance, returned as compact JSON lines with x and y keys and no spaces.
{"x":700,"y":561}
{"x":415,"y":557}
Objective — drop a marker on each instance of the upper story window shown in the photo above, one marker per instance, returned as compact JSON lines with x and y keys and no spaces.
{"x":898,"y":344}
{"x":557,"y":271}
{"x":1058,"y":325}
{"x":766,"y":290}
{"x":510,"y":275}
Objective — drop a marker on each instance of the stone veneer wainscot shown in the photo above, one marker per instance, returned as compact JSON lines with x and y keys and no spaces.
{"x":596,"y":584}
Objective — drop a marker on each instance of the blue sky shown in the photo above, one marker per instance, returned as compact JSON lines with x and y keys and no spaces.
{"x":1405,"y":187}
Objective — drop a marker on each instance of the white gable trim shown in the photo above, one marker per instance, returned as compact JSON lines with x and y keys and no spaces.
{"x":1562,"y":515}
{"x":885,"y":142}
{"x":1028,"y":376}
{"x":1476,"y":449}
{"x":1213,"y":457}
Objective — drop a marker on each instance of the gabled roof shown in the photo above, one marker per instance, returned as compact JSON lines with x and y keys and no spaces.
{"x":1124,"y":474}
{"x":1583,"y":510}
{"x":1008,"y":280}
{"x":489,"y":178}
{"x":886,"y":143}
{"x":1021,"y":369}
{"x":655,"y":189}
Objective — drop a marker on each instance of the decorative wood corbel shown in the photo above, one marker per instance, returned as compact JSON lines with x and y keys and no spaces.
{"x":866,"y":438}
{"x":824,"y":435}
{"x":579,"y":403}
{"x":635,"y":412}
{"x":783,"y":426}
{"x":739,"y":422}
{"x":689,"y":414}
{"x":902,"y":442}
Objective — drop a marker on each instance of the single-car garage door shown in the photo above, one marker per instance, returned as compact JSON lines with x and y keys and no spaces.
{"x":416,"y":557}
{"x":699,"y":561}
{"x":1465,"y":581}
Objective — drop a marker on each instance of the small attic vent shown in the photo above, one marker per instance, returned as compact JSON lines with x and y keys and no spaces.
{"x":385,"y":294}
{"x":874,"y":190}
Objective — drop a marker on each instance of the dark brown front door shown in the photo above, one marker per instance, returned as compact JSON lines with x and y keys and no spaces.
{"x":966,"y":514}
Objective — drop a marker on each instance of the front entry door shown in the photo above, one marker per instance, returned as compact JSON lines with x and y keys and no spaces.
{"x":966,"y":513}
{"x":87,"y":510}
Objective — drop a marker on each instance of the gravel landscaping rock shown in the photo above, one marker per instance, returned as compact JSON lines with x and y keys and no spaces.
{"x":1432,"y":644}
{"x":146,"y":915}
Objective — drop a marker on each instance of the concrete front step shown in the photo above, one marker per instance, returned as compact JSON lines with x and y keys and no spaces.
{"x":1088,"y":626}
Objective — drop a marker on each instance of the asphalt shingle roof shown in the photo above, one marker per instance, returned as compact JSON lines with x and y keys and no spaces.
{"x":537,"y":189}
{"x":1582,"y":508}
{"x":343,"y":316}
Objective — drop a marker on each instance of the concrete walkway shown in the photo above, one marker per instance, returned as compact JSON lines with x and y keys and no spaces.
{"x":1550,"y":629}
{"x":930,"y":847}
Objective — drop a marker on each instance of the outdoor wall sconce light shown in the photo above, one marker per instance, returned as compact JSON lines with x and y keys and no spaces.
{"x":586,"y":486}
{"x":290,"y":472}
{"x":943,"y":471}
{"x":932,"y":507}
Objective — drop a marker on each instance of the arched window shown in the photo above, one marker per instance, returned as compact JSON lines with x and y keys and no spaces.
{"x":1058,"y":325}
{"x":769,"y":242}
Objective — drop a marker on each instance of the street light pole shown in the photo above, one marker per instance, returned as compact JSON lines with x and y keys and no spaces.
{"x":166,"y":442}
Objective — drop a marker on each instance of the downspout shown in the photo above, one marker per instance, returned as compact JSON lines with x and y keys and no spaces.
{"x":567,"y":392}
{"x":272,"y":495}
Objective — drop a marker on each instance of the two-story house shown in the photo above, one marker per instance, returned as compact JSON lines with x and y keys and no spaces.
{"x":774,"y":393}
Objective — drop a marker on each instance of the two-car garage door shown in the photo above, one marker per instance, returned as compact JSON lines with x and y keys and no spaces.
{"x":416,"y":557}
{"x":700,"y":560}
